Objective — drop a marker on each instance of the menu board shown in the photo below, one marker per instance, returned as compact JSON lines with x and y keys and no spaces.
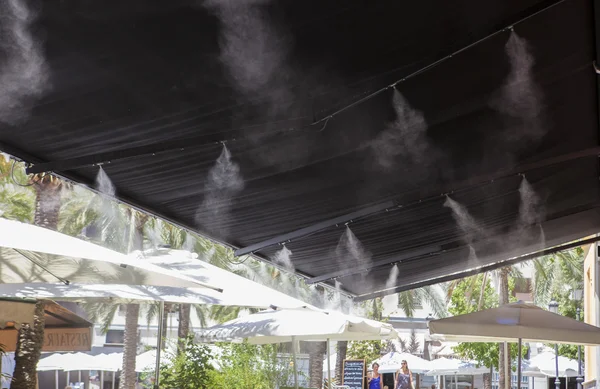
{"x":354,"y":373}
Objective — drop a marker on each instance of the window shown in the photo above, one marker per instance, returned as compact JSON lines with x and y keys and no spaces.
{"x":115,"y":337}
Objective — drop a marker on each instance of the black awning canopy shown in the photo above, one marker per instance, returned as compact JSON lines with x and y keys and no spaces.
{"x":155,"y":89}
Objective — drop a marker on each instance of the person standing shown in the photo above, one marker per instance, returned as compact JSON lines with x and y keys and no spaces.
{"x":403,"y":379}
{"x":374,"y":379}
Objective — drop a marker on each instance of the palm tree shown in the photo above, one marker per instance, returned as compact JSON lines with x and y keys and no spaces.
{"x":17,"y":201}
{"x":29,"y":350}
{"x":315,"y":363}
{"x":132,"y":311}
{"x":48,"y":189}
{"x":120,"y":228}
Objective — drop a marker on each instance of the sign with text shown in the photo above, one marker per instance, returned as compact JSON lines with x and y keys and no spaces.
{"x":55,"y":339}
{"x":354,"y":373}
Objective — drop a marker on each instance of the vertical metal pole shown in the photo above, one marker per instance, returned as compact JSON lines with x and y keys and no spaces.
{"x":328,"y":365}
{"x":295,"y":362}
{"x":101,"y":379}
{"x":113,"y":381}
{"x":579,"y":375}
{"x":161,"y":314}
{"x":68,"y":378}
{"x":557,"y":379}
{"x":519,"y":364}
{"x":79,"y":376}
{"x":56,"y":379}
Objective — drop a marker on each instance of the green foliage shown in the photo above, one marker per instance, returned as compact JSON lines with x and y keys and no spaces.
{"x":250,"y":367}
{"x":16,"y":202}
{"x":188,"y":370}
{"x":471,"y":295}
{"x":567,"y":307}
{"x":369,"y":350}
{"x":560,"y":273}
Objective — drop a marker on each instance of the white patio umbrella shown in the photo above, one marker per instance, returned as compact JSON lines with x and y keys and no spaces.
{"x":455,"y":367}
{"x":544,"y":365}
{"x":293,"y":325}
{"x":184,"y":263}
{"x":514,"y":323}
{"x":75,"y":362}
{"x":52,"y":362}
{"x":237,"y":290}
{"x":254,"y":294}
{"x":392,"y":361}
{"x":445,"y":366}
{"x":30,"y":254}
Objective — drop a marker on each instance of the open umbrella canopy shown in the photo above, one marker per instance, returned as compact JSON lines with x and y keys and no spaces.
{"x":64,"y":329}
{"x":446,"y":366}
{"x":332,"y":112}
{"x":30,"y":253}
{"x":544,"y":365}
{"x":237,"y":290}
{"x":51,"y":362}
{"x":515,"y":321}
{"x":391,"y":362}
{"x":303,"y":324}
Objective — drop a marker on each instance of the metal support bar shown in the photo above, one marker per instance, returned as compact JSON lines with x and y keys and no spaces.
{"x":124,"y":154}
{"x":580,"y":378}
{"x":414,"y":254}
{"x":315,"y":228}
{"x":520,"y":361}
{"x":159,"y":337}
{"x":483,"y":269}
{"x":457,"y":187}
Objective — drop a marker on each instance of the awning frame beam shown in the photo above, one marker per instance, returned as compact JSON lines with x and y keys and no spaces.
{"x":388,"y":205}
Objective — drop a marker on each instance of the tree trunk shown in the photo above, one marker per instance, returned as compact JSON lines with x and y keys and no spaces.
{"x":31,"y":336}
{"x":128,"y":375}
{"x":315,"y":364}
{"x":503,"y":299}
{"x":47,"y":201}
{"x":487,"y":381}
{"x":342,"y":349}
{"x":29,"y":349}
{"x":132,"y":312}
{"x":427,"y":351}
{"x":183,"y":329}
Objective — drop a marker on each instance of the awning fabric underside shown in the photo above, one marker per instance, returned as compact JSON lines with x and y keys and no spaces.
{"x":256,"y":74}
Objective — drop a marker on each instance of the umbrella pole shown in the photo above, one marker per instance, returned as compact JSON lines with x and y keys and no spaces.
{"x":328,"y":365}
{"x":113,"y":381}
{"x":101,"y":379}
{"x":79,"y":376}
{"x":56,"y":379}
{"x":161,"y":313}
{"x":68,"y":378}
{"x":295,"y":362}
{"x":519,"y":365}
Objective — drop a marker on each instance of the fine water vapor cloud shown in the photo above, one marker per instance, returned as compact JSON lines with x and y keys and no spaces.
{"x":252,"y":50}
{"x":24,"y":74}
{"x":404,"y":141}
{"x":520,"y":98}
{"x":223,"y":183}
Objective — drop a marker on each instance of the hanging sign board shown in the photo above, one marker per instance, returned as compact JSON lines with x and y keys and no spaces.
{"x":354,"y":373}
{"x":55,"y":339}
